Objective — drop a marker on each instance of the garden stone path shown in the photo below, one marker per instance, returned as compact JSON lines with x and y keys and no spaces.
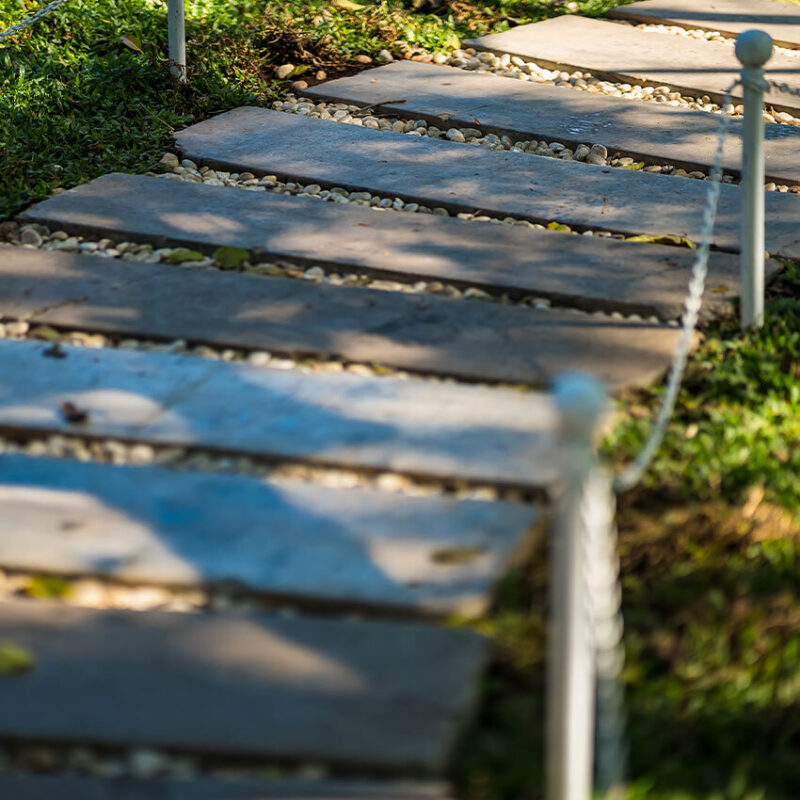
{"x":389,"y":458}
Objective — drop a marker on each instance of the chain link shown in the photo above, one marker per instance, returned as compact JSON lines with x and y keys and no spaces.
{"x":26,"y":23}
{"x":632,"y":474}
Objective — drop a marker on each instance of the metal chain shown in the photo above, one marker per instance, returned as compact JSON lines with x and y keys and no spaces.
{"x":603,"y":598}
{"x":633,"y":473}
{"x":26,"y":23}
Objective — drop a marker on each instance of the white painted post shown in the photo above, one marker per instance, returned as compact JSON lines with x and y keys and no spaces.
{"x":570,"y":681}
{"x":753,"y":49}
{"x":177,"y":40}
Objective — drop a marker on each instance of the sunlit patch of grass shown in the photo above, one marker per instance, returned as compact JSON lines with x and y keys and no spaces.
{"x":75,"y":102}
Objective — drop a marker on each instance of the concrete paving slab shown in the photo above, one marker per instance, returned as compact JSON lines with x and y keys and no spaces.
{"x":593,"y":274}
{"x":386,"y":695}
{"x":465,"y":178}
{"x":649,"y":132}
{"x":623,"y":52}
{"x":346,"y":420}
{"x":70,"y":787}
{"x":780,"y":20}
{"x":472,"y":340}
{"x":288,"y":539}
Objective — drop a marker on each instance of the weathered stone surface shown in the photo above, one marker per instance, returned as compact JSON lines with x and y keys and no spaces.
{"x":410,"y":426}
{"x":286,"y":538}
{"x":475,"y":340}
{"x":601,"y":273}
{"x":46,"y":787}
{"x":375,"y":694}
{"x":465,"y":178}
{"x":627,"y":53}
{"x":646,"y":131}
{"x":780,"y":20}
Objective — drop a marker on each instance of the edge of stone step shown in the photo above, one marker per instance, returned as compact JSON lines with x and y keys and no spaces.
{"x":22,"y":786}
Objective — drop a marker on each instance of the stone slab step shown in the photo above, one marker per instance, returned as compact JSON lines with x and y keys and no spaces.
{"x":465,"y":178}
{"x":593,"y":274}
{"x":467,"y":339}
{"x":622,"y":52}
{"x":284,"y":538}
{"x":373,"y":694}
{"x":651,"y":132}
{"x":417,"y":427}
{"x":70,"y":787}
{"x":779,"y":19}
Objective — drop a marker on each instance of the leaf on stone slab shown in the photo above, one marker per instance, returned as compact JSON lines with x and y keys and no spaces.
{"x":665,"y":238}
{"x":132,"y":42}
{"x":182,"y":255}
{"x":73,"y":414}
{"x":46,"y":587}
{"x":45,"y":333}
{"x":231,"y":257}
{"x":457,"y":555}
{"x":637,"y":165}
{"x":14,"y":660}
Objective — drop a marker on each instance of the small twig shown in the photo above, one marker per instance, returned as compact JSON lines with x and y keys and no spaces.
{"x":366,"y":109}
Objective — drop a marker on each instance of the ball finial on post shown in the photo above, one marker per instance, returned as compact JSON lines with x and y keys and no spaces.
{"x":581,"y":401}
{"x":754,"y":49}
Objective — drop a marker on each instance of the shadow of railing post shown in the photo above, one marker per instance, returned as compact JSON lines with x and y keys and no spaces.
{"x":177,"y":40}
{"x":753,"y":49}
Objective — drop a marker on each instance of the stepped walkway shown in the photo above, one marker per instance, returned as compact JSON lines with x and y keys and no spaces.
{"x":295,"y":389}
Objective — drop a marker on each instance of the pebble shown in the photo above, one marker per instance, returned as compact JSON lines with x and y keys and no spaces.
{"x":28,"y":235}
{"x":363,"y":59}
{"x":384,"y":56}
{"x":169,"y":160}
{"x":146,"y":764}
{"x":284,"y":71}
{"x":298,"y":86}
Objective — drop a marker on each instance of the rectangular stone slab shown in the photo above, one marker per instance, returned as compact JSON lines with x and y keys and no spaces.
{"x":70,"y":787}
{"x":780,"y":20}
{"x":623,"y":52}
{"x":466,"y":339}
{"x":465,"y":178}
{"x":598,"y":274}
{"x":651,"y":132}
{"x":373,"y":694}
{"x":285,"y":538}
{"x":412,"y":426}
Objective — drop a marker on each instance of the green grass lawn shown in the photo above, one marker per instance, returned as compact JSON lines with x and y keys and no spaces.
{"x":711,"y":540}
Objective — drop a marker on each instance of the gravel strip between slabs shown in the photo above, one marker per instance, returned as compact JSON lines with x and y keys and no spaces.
{"x":38,"y":236}
{"x":594,"y":154}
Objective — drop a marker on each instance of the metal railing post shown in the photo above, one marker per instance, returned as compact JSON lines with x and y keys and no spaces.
{"x":753,"y":49}
{"x":570,"y":681}
{"x":177,"y":40}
